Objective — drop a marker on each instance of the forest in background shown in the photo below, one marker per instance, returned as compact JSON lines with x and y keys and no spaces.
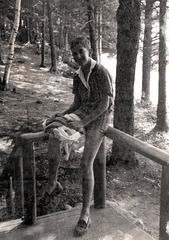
{"x":121,"y":29}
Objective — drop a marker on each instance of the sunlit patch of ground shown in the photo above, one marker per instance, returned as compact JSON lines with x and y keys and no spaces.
{"x":5,"y":144}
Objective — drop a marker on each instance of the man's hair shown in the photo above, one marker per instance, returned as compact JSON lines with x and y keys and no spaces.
{"x":80,"y":40}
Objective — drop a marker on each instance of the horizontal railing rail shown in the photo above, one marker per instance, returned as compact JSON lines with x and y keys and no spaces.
{"x":157,"y":155}
{"x":28,"y":178}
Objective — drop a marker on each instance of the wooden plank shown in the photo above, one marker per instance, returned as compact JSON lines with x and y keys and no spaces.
{"x":100,"y":177}
{"x":164,"y":205}
{"x":11,"y":196}
{"x":29,"y":183}
{"x":18,"y":185}
{"x":159,"y":156}
{"x":106,"y":224}
{"x":16,"y":151}
{"x":34,"y":137}
{"x":22,"y":183}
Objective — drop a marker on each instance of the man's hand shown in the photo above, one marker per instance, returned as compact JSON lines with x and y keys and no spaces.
{"x":52,"y":118}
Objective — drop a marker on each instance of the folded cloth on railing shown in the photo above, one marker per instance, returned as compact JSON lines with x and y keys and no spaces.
{"x":60,"y":130}
{"x":67,"y":136}
{"x":57,"y":122}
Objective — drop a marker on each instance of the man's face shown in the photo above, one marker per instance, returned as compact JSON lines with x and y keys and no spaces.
{"x":80,"y":55}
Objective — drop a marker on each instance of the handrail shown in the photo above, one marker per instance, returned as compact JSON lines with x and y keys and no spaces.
{"x":33,"y":137}
{"x":157,"y":155}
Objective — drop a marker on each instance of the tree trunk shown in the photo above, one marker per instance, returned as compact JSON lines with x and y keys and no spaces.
{"x":61,"y":30}
{"x":147,"y":49}
{"x":100,"y":34}
{"x":11,"y":45}
{"x":31,"y":32}
{"x":4,"y":28}
{"x":28,"y":28}
{"x":98,"y":29}
{"x":66,"y":38}
{"x":96,"y":25}
{"x":43,"y":38}
{"x":161,"y":109}
{"x":90,"y":13}
{"x":52,"y":43}
{"x":128,"y":23}
{"x":1,"y":61}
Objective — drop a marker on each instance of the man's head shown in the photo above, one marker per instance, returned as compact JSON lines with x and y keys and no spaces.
{"x":81,"y":50}
{"x":80,"y":40}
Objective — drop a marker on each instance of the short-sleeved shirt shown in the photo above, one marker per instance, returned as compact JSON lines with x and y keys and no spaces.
{"x":99,"y":83}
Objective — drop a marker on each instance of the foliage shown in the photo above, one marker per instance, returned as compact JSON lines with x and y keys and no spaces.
{"x":7,"y":11}
{"x":68,"y":17}
{"x":109,"y":25}
{"x":7,"y":8}
{"x":11,"y":45}
{"x":155,"y":31}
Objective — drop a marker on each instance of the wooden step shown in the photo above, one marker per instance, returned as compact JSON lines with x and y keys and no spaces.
{"x":106,"y":224}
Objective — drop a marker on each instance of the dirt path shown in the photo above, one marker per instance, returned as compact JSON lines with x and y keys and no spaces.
{"x":35,"y":94}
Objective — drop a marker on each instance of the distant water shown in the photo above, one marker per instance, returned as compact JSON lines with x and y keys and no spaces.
{"x":110,"y":64}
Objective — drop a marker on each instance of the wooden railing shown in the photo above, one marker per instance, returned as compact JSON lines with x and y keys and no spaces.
{"x":158,"y":156}
{"x":27,"y":175}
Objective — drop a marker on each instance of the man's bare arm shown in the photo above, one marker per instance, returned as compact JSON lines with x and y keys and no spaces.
{"x":102,"y":106}
{"x":92,"y":116}
{"x":74,"y":106}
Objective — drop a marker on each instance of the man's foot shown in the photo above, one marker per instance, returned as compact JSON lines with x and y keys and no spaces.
{"x":81,"y":227}
{"x":49,"y":188}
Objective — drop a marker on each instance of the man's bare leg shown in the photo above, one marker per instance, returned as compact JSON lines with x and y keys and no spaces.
{"x":92,"y":144}
{"x":54,"y":157}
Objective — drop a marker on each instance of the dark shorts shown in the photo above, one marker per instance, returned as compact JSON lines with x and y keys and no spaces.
{"x":101,"y":123}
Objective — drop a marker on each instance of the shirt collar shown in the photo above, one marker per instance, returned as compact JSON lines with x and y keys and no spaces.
{"x":81,"y":75}
{"x":92,"y":65}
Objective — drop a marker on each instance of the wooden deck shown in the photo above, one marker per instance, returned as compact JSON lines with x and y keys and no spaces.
{"x":107,"y":224}
{"x":111,"y":225}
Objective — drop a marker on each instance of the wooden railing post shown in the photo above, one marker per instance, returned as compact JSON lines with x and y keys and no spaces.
{"x":164,"y":204}
{"x":18,"y":181}
{"x":100,"y":177}
{"x":22,"y":184}
{"x":29,"y":183}
{"x":12,"y":197}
